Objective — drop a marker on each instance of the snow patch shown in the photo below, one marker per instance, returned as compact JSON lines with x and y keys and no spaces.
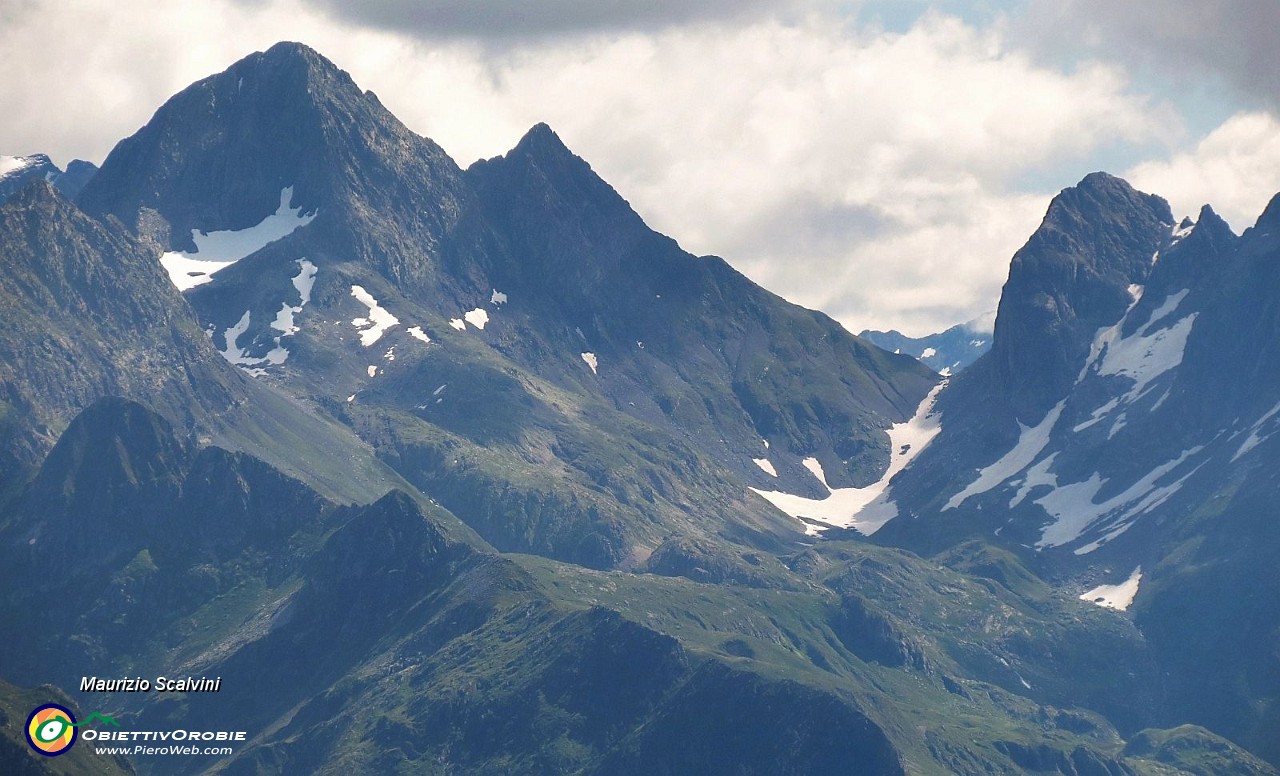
{"x":497,"y":297}
{"x":1256,"y":435}
{"x":766,"y":466}
{"x":1073,"y":508}
{"x":1097,"y":415}
{"x":866,"y":509}
{"x":304,"y":281}
{"x":417,"y":333}
{"x":186,"y":273}
{"x":377,"y":323}
{"x":928,"y":353}
{"x":233,"y":245}
{"x":594,"y":363}
{"x":372,"y":370}
{"x":219,"y":249}
{"x":815,"y":467}
{"x":239,"y":356}
{"x":1147,"y":353}
{"x":477,"y":317}
{"x":458,"y":324}
{"x":1037,"y":476}
{"x":1031,"y":442}
{"x":1118,"y":597}
{"x":390,"y":355}
{"x":232,"y":351}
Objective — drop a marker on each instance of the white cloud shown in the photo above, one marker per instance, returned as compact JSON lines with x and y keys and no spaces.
{"x":869,"y":175}
{"x":873,"y":175}
{"x":1236,"y":168}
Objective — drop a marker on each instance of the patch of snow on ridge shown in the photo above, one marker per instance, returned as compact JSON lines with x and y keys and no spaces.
{"x":866,"y":509}
{"x":1118,"y":597}
{"x":1031,"y":442}
{"x":458,"y":324}
{"x":766,"y":466}
{"x":928,"y":353}
{"x":417,"y":333}
{"x":1074,"y":509}
{"x":379,"y":321}
{"x":219,"y":249}
{"x":477,"y":317}
{"x":594,"y":363}
{"x":497,"y":297}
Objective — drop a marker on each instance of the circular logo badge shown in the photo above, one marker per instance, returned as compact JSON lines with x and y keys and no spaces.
{"x":51,"y":729}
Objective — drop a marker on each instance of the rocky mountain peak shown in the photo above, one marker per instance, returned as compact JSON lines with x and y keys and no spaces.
{"x":1073,"y":276}
{"x":218,"y":154}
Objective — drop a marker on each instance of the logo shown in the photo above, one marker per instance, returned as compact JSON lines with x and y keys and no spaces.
{"x":51,"y":729}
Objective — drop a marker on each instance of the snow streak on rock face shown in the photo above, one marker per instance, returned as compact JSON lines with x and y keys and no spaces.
{"x":865,"y":509}
{"x":220,"y":249}
{"x":594,"y":363}
{"x":1147,"y":353}
{"x":1031,"y":442}
{"x":1258,"y":433}
{"x":1074,"y":508}
{"x":378,"y":320}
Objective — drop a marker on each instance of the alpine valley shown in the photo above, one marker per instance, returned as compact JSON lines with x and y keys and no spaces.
{"x":470,"y":471}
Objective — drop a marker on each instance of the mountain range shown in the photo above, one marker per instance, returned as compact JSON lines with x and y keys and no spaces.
{"x":469,"y":470}
{"x":946,"y":352}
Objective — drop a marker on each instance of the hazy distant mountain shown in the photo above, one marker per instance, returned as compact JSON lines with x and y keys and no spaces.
{"x":947,"y":352}
{"x":17,"y":171}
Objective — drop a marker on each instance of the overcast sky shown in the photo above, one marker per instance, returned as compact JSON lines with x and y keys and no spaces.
{"x":878,"y":160}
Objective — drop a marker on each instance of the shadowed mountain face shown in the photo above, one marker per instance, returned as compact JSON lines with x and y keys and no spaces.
{"x":1119,"y":438}
{"x":452,"y":471}
{"x":513,"y":339}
